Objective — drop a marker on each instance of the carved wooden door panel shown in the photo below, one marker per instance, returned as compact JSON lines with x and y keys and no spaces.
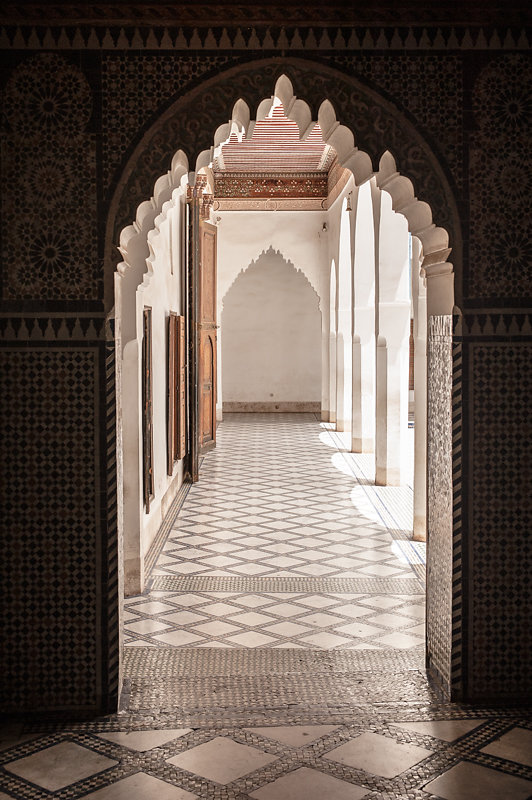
{"x":207,"y":337}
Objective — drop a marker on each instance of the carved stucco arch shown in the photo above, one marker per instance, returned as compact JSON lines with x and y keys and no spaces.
{"x":374,"y":137}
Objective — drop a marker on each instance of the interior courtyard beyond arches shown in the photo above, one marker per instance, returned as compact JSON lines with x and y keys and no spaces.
{"x":264,"y":330}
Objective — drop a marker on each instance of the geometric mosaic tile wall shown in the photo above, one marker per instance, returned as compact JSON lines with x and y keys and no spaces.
{"x":50,"y":565}
{"x":77,"y":101}
{"x":500,"y":518}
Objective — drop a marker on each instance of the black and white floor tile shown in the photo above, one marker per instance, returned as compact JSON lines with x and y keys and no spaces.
{"x":281,"y":498}
{"x":277,"y":652}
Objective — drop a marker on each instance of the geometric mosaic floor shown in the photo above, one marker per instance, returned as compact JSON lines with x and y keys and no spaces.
{"x":279,"y":502}
{"x":277,"y":653}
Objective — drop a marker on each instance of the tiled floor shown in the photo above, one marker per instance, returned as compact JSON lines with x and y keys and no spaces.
{"x":281,"y":499}
{"x":292,"y":670}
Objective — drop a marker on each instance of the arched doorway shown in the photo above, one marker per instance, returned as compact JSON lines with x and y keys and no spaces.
{"x":434,"y":241}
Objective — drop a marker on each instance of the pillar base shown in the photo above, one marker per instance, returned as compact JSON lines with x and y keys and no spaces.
{"x":362,"y":445}
{"x":387,"y":477}
{"x":420,"y":529}
{"x":133,"y":577}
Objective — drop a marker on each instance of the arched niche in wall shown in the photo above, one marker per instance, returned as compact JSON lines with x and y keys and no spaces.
{"x":271,"y":339}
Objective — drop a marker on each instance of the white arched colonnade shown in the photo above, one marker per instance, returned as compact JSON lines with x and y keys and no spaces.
{"x":138,"y":272}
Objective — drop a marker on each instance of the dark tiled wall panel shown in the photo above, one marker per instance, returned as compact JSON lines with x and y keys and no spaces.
{"x":49,"y":192}
{"x":49,"y":564}
{"x":500,"y":549}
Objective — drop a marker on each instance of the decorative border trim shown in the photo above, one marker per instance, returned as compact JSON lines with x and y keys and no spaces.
{"x":52,"y":328}
{"x":492,"y":324}
{"x":160,"y":662}
{"x":215,"y":583}
{"x":79,"y":36}
{"x":114,"y":588}
{"x":457,"y":607}
{"x":270,"y":204}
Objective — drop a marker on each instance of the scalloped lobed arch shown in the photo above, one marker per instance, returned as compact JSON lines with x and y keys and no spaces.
{"x":422,"y":165}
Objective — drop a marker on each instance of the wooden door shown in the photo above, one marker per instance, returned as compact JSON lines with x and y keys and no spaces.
{"x":207,"y":337}
{"x":176,"y":424}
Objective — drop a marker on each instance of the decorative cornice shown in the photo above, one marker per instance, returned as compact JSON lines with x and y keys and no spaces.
{"x":138,"y":35}
{"x":270,"y":204}
{"x":251,"y":12}
{"x":338,"y":179}
{"x":277,"y":185}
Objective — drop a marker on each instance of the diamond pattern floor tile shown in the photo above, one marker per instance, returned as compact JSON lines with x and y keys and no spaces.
{"x":474,"y":782}
{"x":222,"y":760}
{"x":141,"y":741}
{"x":447,"y":730}
{"x":378,"y":755}
{"x":516,"y":745}
{"x":309,"y":784}
{"x":141,"y":786}
{"x":60,"y":765}
{"x":271,"y":504}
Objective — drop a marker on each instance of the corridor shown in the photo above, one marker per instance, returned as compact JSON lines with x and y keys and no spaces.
{"x":278,"y":651}
{"x":283,"y":543}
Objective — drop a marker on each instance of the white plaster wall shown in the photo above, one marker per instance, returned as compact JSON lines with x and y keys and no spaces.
{"x":160,"y":290}
{"x":271,"y":332}
{"x":244,"y":235}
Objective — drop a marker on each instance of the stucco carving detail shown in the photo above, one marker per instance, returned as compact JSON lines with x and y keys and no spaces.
{"x":440,"y":499}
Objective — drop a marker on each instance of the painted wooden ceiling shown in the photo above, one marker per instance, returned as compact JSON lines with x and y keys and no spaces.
{"x":275,"y":147}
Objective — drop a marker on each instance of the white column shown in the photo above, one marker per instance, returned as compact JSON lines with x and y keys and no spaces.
{"x":332,"y":344}
{"x":419,"y":303}
{"x":219,"y":396}
{"x":363,"y":413}
{"x":325,"y":380}
{"x":132,"y":475}
{"x":126,"y":280}
{"x":393,"y":328}
{"x":344,"y":355}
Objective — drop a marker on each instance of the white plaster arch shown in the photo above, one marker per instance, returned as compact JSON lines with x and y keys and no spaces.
{"x":278,"y":235}
{"x":289,"y":263}
{"x":138,"y":239}
{"x":434,"y":240}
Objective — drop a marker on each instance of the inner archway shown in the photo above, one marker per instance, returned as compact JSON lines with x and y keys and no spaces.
{"x":434,"y":240}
